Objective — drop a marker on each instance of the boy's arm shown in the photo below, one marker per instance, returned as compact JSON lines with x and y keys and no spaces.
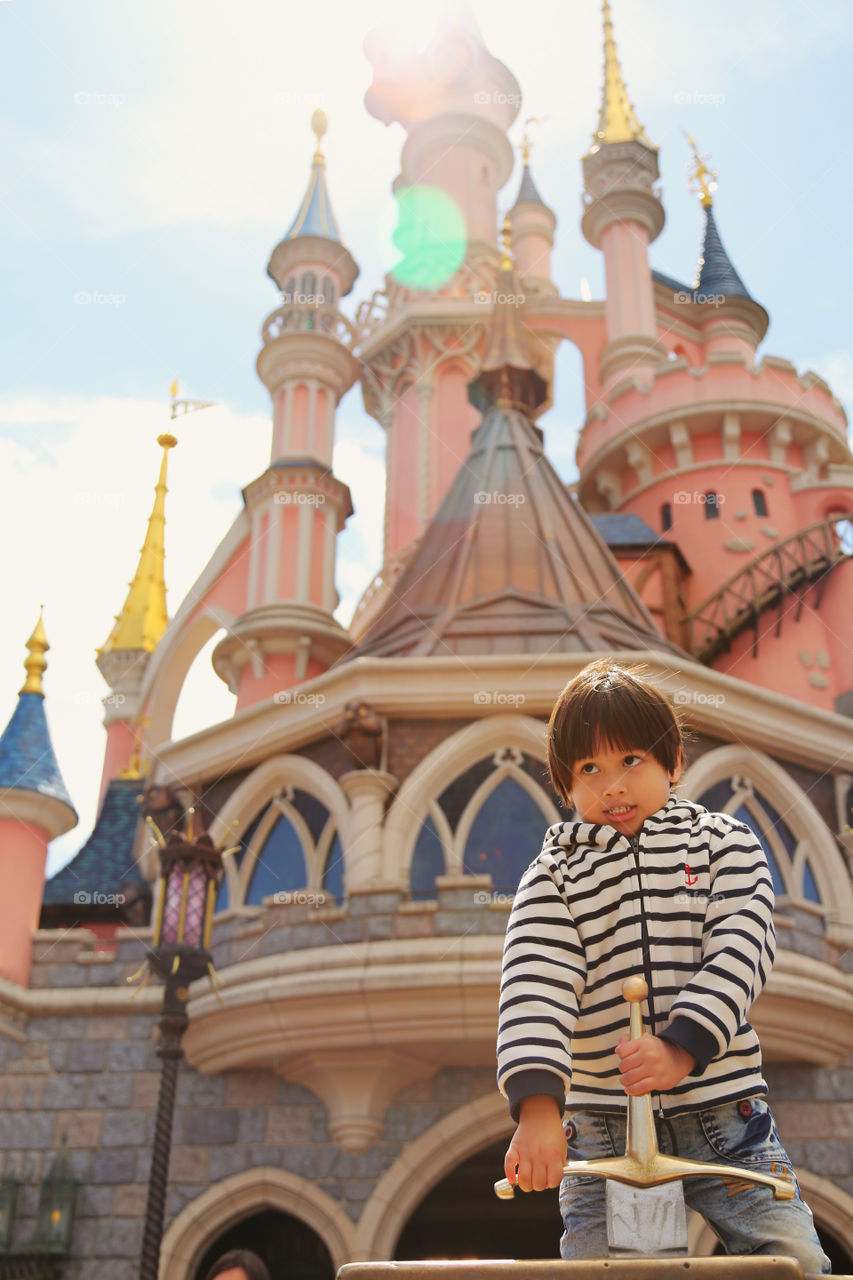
{"x":543,"y":975}
{"x":738,"y":948}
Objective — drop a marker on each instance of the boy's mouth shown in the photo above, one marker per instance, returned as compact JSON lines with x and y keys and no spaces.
{"x":621,"y":811}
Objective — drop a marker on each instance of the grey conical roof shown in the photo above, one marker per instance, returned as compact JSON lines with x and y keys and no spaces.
{"x":714,"y":273}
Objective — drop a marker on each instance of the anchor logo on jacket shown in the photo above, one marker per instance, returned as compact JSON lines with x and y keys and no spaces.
{"x":689,"y":877}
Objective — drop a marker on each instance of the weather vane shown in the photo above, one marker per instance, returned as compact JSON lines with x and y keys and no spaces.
{"x":186,"y":406}
{"x":701,"y":178}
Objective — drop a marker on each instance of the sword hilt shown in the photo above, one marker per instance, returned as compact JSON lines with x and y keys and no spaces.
{"x":642,"y":1164}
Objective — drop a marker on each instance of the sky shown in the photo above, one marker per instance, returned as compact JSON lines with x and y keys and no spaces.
{"x":151,"y":156}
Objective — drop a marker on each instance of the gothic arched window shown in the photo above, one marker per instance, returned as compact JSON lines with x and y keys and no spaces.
{"x":427,"y":861}
{"x":280,"y":867}
{"x":505,"y":836}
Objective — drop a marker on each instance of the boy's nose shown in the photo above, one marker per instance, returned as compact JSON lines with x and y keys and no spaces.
{"x":615,"y":785}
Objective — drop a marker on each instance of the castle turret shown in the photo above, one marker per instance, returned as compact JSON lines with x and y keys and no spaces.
{"x":623,"y":215}
{"x":297,"y":507}
{"x":533,"y":224}
{"x":35,"y":808}
{"x":124,"y":656}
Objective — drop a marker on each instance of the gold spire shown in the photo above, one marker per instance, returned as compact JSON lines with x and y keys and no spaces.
{"x":526,"y":145}
{"x":143,"y":618}
{"x":700,"y":178}
{"x":506,"y":244}
{"x":617,"y":121}
{"x":319,"y":123}
{"x":35,"y":664}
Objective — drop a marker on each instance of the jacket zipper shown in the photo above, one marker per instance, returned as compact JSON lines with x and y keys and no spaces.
{"x":647,"y":959}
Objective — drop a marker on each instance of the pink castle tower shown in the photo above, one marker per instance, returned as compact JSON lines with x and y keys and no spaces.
{"x":35,"y":808}
{"x":740,"y":462}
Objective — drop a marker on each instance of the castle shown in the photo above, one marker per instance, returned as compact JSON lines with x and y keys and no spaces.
{"x":384,"y":783}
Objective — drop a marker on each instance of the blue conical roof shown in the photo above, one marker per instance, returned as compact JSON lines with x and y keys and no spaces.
{"x":27,"y":762}
{"x":315,"y":217}
{"x":104,"y":863}
{"x":715,"y":273}
{"x":528,"y":192}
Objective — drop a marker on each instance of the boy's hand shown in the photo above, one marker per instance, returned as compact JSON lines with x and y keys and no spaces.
{"x":538,"y":1146}
{"x":651,"y":1063}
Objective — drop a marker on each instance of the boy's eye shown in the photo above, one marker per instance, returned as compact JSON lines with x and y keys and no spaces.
{"x":588,"y":768}
{"x":631,"y":760}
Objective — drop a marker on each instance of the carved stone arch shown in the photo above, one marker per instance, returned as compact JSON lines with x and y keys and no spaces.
{"x":832,"y":1207}
{"x":226,"y":1202}
{"x":793,"y":804}
{"x":278,"y":809}
{"x":478,"y":799}
{"x":177,"y":651}
{"x":260,"y":787}
{"x":445,"y":763}
{"x":421,"y":1165}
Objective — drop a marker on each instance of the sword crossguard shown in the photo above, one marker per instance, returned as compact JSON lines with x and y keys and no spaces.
{"x":642,"y":1164}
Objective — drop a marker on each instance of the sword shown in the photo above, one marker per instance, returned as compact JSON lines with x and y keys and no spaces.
{"x":641,"y":1222}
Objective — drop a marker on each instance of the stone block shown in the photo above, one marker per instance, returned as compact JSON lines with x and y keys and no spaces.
{"x":26,"y":1132}
{"x":396,"y":1127}
{"x":834,"y":1083}
{"x":189,"y":1164}
{"x":141,"y":1025}
{"x":357,"y":1190}
{"x":86,"y":1055}
{"x":830,"y":1158}
{"x":65,"y":1091}
{"x":105,"y":975}
{"x":130,"y":1201}
{"x":111,"y":1269}
{"x":272,"y":944}
{"x":462,"y":898}
{"x":269,"y":1157}
{"x":128,"y":1128}
{"x":67,"y":975}
{"x":211,"y":1126}
{"x":786,"y":1080}
{"x":290,"y":1125}
{"x":227,"y":1160}
{"x":114,"y":1164}
{"x":84,"y":1128}
{"x":288,"y":1091}
{"x":146,"y":1088}
{"x":414,"y":926}
{"x":57,"y":1054}
{"x":95,"y":1202}
{"x":457,"y":923}
{"x":128,"y":1055}
{"x":368,"y":904}
{"x":249,"y":1088}
{"x":180,"y":1197}
{"x":379,"y":928}
{"x":83,"y":1238}
{"x":301,"y":1161}
{"x":110,"y":1090}
{"x":57,"y":1028}
{"x":424,"y":1118}
{"x":197,"y":1090}
{"x":313,"y":934}
{"x":252,"y":1126}
{"x":452,"y":1087}
{"x":103,"y":1027}
{"x":118,"y":1238}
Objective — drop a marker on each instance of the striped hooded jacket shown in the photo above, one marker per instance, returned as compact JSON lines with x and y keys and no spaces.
{"x":688,"y":903}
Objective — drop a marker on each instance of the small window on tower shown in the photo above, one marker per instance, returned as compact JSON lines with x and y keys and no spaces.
{"x":666,"y":517}
{"x":759,"y":502}
{"x":712,"y":506}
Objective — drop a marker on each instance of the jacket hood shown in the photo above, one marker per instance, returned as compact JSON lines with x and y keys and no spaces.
{"x":597,"y":835}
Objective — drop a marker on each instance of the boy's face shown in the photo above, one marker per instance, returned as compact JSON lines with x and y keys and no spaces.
{"x":620,"y":788}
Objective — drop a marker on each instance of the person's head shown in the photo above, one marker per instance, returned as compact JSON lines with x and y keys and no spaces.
{"x":615,"y":746}
{"x":238,"y":1264}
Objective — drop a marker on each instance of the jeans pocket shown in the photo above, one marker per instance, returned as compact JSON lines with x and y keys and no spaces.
{"x":588,"y":1136}
{"x":743,"y":1132}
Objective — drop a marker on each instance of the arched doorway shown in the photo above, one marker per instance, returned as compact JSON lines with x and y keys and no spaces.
{"x":291,"y":1250}
{"x":461,"y":1217}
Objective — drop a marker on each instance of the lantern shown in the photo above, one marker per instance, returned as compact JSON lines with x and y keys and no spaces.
{"x":56,"y":1206}
{"x":190,"y":872}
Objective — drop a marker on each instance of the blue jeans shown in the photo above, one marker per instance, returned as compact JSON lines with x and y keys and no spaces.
{"x":746,"y":1216}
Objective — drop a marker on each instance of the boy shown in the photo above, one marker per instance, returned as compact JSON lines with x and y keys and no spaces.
{"x":643,"y":883}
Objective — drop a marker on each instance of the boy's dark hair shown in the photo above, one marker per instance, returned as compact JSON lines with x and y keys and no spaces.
{"x":254,"y":1267}
{"x":609,"y":705}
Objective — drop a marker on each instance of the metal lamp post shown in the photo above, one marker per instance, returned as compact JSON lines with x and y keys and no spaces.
{"x":190,"y":872}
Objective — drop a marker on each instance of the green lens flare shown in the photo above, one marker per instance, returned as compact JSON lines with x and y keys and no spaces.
{"x":430,"y":234}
